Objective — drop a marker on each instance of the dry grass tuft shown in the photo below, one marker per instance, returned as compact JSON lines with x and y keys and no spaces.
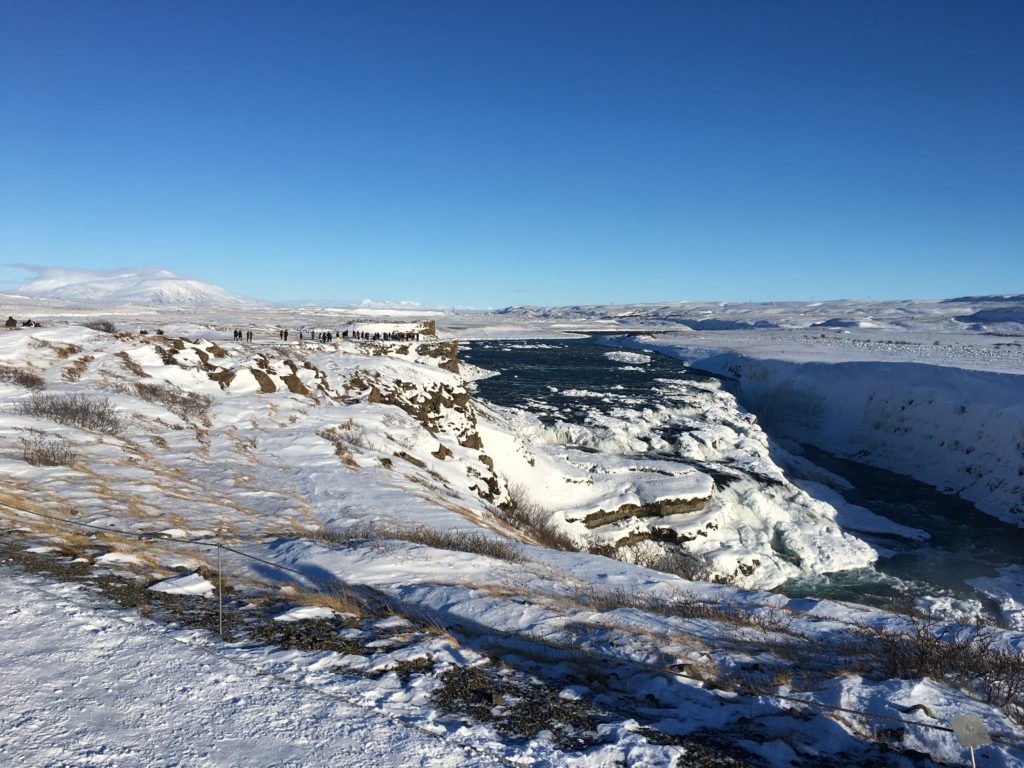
{"x":667,"y":558}
{"x":9,"y":374}
{"x":92,"y":413}
{"x":472,"y":542}
{"x":65,"y":351}
{"x":337,"y":598}
{"x":74,"y":371}
{"x":522,"y":512}
{"x":41,"y":451}
{"x":131,"y":365}
{"x":189,"y":406}
{"x":101,"y":325}
{"x":343,"y":436}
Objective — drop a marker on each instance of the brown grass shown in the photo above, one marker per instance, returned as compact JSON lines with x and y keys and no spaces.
{"x":92,"y":413}
{"x":337,"y":598}
{"x":527,"y":515}
{"x":23,"y":378}
{"x":74,"y":371}
{"x":472,"y":542}
{"x":131,"y":365}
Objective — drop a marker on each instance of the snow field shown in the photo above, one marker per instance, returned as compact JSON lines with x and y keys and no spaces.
{"x":267,"y":468}
{"x":87,"y":686}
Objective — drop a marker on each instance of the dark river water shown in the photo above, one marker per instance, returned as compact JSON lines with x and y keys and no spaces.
{"x":546,"y":377}
{"x":537,"y":375}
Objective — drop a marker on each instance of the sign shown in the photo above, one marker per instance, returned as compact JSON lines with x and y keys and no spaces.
{"x":970,"y":731}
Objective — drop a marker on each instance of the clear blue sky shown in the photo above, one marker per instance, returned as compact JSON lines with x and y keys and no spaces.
{"x":489,"y":153}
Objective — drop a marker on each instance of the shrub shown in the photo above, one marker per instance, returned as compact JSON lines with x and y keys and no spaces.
{"x":454,"y":541}
{"x":131,"y":365}
{"x":92,"y":413}
{"x":669,"y":558}
{"x":522,"y":512}
{"x":473,"y":542}
{"x":101,"y":325}
{"x":21,"y":377}
{"x":186,"y":405}
{"x":39,"y":451}
{"x":967,"y":655}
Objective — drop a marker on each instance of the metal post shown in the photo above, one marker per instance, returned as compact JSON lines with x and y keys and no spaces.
{"x":973,"y":765}
{"x":220,"y":593}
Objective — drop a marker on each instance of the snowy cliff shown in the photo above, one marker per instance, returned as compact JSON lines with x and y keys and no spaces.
{"x":959,"y":430}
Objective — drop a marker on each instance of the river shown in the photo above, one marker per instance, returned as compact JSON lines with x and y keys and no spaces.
{"x":567,"y":379}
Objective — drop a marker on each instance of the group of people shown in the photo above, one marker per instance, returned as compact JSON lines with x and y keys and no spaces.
{"x":387,"y":336}
{"x":12,"y":323}
{"x":328,"y":336}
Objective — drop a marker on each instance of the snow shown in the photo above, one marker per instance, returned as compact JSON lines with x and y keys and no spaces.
{"x":634,"y":358}
{"x":363,"y":445}
{"x":990,"y":316}
{"x":85,"y":686}
{"x":138,"y":286}
{"x":190,"y":584}
{"x":118,"y":558}
{"x":956,"y":429}
{"x":303,"y":612}
{"x":1008,"y":590}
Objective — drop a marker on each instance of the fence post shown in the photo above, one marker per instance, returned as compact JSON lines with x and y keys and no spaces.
{"x":220,"y":592}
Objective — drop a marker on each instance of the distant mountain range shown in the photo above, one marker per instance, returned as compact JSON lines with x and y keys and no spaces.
{"x":127,"y":286}
{"x":1003,"y":297}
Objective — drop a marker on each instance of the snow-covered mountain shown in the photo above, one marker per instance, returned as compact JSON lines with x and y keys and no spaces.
{"x":126,"y":286}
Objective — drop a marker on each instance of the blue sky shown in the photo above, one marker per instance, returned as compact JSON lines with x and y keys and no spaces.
{"x":495,"y":153}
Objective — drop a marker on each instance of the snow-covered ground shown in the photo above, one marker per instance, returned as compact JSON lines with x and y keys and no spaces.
{"x":271,"y":443}
{"x":88,"y":686}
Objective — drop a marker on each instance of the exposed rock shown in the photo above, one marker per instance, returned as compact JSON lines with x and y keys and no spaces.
{"x":224,"y":377}
{"x":442,"y":452}
{"x":216,"y":351}
{"x":294,"y":384}
{"x":166,"y":355}
{"x":662,"y":508}
{"x":491,"y":489}
{"x":447,"y":351}
{"x":267,"y":385}
{"x":411,"y":459}
{"x":264,"y":363}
